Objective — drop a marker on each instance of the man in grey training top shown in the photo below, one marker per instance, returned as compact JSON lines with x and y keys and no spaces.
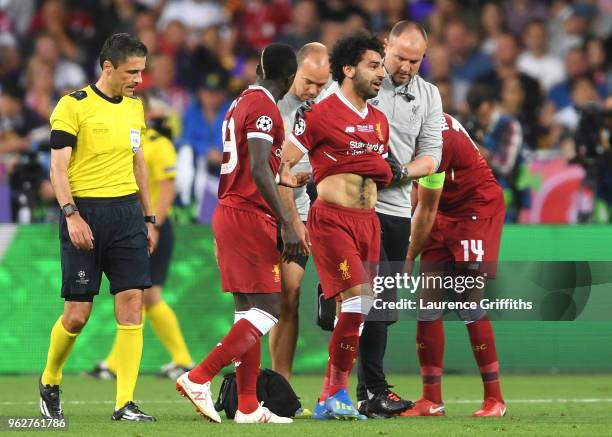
{"x":414,"y":109}
{"x":311,"y":76}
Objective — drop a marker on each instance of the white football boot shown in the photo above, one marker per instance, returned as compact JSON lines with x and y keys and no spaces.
{"x":200,"y":396}
{"x":260,"y":415}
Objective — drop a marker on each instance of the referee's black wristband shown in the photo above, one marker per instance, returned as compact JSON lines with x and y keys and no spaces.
{"x":149,"y":219}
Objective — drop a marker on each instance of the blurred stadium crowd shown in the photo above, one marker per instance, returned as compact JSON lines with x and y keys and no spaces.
{"x":529,"y":79}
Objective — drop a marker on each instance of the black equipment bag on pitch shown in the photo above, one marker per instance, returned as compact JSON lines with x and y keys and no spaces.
{"x":272,"y":389}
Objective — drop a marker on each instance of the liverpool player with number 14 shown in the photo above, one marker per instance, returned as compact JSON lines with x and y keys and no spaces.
{"x":244,"y":225}
{"x":457,"y":227}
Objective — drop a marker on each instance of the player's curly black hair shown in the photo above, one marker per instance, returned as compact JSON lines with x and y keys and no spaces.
{"x":349,"y":51}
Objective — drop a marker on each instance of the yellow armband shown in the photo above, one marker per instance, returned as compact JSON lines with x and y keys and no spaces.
{"x":433,"y":181}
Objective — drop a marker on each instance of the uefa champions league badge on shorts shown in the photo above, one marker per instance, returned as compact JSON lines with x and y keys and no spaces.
{"x":135,"y":139}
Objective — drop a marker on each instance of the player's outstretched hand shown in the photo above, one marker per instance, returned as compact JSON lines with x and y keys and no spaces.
{"x":79,"y":232}
{"x":292,"y":244}
{"x":290,"y":179}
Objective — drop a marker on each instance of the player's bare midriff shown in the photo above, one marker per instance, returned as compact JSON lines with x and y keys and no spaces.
{"x":349,"y":190}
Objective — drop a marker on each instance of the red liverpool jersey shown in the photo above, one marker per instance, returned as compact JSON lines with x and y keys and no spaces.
{"x":253,"y":114}
{"x":340,"y":139}
{"x":470,"y":189}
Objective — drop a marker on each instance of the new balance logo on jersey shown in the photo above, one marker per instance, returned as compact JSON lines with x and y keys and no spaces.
{"x":349,"y":129}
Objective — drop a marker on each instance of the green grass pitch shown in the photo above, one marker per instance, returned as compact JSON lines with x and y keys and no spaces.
{"x":538,"y":405}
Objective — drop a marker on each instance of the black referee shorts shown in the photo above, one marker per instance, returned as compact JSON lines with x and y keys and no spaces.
{"x":301,"y":260}
{"x":160,"y":258}
{"x":120,"y":249}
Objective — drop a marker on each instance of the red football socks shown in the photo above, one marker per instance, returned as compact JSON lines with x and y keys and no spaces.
{"x":325,"y":389}
{"x":343,"y":350}
{"x":247,"y":371}
{"x":430,"y":348}
{"x":241,"y":337}
{"x":483,"y":345}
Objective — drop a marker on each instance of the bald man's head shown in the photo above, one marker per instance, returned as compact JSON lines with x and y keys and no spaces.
{"x":404,"y":51}
{"x":313,"y":71}
{"x":314,"y":52}
{"x":402,"y":27}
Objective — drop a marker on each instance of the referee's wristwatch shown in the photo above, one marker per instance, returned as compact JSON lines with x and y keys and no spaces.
{"x":149,"y":219}
{"x":69,"y":209}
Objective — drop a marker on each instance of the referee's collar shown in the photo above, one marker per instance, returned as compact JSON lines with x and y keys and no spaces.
{"x":114,"y":100}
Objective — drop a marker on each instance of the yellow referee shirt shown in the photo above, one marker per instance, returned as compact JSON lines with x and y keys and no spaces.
{"x":160,"y":158}
{"x":104,"y":133}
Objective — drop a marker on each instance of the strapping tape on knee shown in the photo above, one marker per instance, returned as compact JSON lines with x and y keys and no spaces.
{"x":262,"y":320}
{"x":357,"y":304}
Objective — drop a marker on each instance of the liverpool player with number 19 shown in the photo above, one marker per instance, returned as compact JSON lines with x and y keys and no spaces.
{"x":244,"y":225}
{"x":346,"y":140}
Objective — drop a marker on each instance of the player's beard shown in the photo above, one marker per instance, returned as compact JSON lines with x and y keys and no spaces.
{"x":363,"y":87}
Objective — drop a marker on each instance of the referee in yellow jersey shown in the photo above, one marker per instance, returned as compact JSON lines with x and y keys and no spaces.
{"x":160,"y":157}
{"x":99,"y":175}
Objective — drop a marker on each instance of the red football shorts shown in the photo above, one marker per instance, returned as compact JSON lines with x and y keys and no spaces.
{"x":248,"y":259}
{"x":345,"y":245}
{"x":464,"y":244}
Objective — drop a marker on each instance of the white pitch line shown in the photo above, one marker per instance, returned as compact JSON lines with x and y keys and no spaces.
{"x":456,"y":401}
